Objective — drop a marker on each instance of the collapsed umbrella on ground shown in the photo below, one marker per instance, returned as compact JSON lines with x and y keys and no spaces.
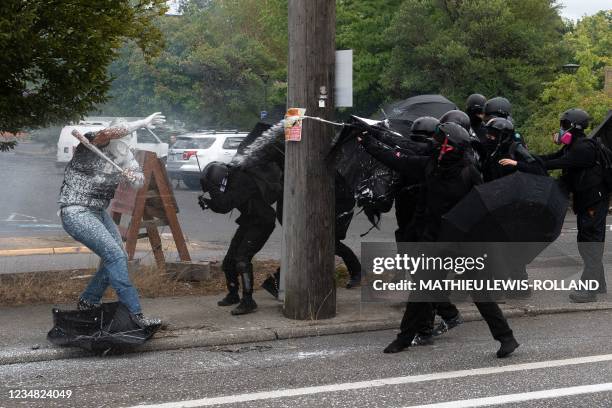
{"x":524,"y":209}
{"x":110,"y":326}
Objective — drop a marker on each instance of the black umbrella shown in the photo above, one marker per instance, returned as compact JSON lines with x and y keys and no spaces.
{"x":525,"y":209}
{"x":110,"y":326}
{"x":401,"y":114}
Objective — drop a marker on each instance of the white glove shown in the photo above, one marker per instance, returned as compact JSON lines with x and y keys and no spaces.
{"x":154,"y":120}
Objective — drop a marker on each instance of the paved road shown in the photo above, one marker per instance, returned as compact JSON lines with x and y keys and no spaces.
{"x":30,"y":209}
{"x":564,"y":361}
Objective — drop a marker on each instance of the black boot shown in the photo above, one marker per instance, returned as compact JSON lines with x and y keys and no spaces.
{"x":231,"y":298}
{"x":397,"y":345}
{"x":583,"y":296}
{"x":508,"y":345}
{"x":246,"y":305}
{"x":231,"y":281}
{"x":272,"y":284}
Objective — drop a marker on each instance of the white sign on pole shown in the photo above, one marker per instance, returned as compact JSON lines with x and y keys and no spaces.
{"x":344,"y":79}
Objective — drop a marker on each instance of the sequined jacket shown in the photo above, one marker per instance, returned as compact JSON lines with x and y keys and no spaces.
{"x":90,"y":181}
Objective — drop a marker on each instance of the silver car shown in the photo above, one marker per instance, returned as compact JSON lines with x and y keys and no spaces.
{"x":193,"y":151}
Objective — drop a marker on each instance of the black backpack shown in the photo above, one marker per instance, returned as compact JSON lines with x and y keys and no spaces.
{"x":604,"y":161}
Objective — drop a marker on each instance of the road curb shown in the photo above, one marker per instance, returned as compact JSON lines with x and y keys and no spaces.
{"x":44,"y":251}
{"x":195,"y":338}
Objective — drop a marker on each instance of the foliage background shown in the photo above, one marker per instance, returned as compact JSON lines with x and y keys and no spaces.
{"x":221,"y":62}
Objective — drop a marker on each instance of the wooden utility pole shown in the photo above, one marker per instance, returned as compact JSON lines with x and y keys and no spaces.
{"x":308,"y":215}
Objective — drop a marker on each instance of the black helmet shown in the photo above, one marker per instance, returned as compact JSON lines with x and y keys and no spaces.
{"x":458,"y":117}
{"x":498,"y":106}
{"x":454,"y":135}
{"x":475,"y":104}
{"x":425,"y":125}
{"x":214,"y":176}
{"x":501,"y":128}
{"x":574,"y":118}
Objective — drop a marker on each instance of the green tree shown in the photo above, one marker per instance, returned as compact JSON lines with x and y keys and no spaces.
{"x":590,"y":42}
{"x":222,"y":58}
{"x":459,"y":47}
{"x":361,"y":27}
{"x":55,"y":55}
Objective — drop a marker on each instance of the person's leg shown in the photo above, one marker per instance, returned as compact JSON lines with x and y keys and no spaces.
{"x":100,"y":281}
{"x":87,"y":226}
{"x":229,"y":269}
{"x":254,"y":238}
{"x":416,"y":319}
{"x":498,"y":325}
{"x":591,"y":237}
{"x":351,"y":261}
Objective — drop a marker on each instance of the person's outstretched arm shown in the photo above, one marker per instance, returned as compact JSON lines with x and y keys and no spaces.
{"x":120,"y":130}
{"x":404,"y":162}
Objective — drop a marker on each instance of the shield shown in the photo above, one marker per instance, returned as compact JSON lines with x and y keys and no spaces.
{"x":401,"y":114}
{"x":110,"y":326}
{"x":525,"y":209}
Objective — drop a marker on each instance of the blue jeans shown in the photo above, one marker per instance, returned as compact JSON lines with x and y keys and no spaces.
{"x":95,"y":229}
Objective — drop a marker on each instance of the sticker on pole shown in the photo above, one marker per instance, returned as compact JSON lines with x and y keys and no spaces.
{"x":293,"y":124}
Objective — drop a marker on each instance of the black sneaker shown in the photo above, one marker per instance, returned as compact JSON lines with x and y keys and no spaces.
{"x":507,"y":347}
{"x":353,"y":283}
{"x":229,"y":299}
{"x":583,"y":296}
{"x":246,"y":305}
{"x":396,"y":346}
{"x":446,"y":325}
{"x":423,"y":340}
{"x":147,"y":321}
{"x":271,"y":286}
{"x":84,"y":305}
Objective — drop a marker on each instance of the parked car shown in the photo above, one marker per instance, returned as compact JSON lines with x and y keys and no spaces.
{"x":142,"y":139}
{"x":193,"y":151}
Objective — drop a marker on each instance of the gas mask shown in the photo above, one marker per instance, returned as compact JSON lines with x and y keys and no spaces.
{"x":563,"y":137}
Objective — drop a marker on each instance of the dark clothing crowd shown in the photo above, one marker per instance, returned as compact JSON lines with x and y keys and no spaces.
{"x":437,"y":163}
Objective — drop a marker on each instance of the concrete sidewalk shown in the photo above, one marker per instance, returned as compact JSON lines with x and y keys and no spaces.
{"x":199,"y":322}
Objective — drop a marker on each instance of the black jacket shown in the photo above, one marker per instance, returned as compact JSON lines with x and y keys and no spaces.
{"x":580,"y":171}
{"x":492,"y":170}
{"x":243,"y":193}
{"x":443,"y":184}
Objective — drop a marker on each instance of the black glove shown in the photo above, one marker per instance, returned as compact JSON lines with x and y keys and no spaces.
{"x":204,"y":202}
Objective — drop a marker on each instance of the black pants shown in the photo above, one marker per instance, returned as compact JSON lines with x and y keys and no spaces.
{"x":418,"y":317}
{"x":246,"y":242}
{"x":591,"y":237}
{"x":350,"y":260}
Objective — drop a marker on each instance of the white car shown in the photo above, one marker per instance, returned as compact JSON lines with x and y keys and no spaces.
{"x":191,"y":152}
{"x":142,"y":139}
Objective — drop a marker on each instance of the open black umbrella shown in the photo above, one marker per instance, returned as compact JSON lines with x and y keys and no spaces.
{"x":604,"y":131}
{"x":110,"y":326}
{"x":401,"y":114}
{"x":525,"y":209}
